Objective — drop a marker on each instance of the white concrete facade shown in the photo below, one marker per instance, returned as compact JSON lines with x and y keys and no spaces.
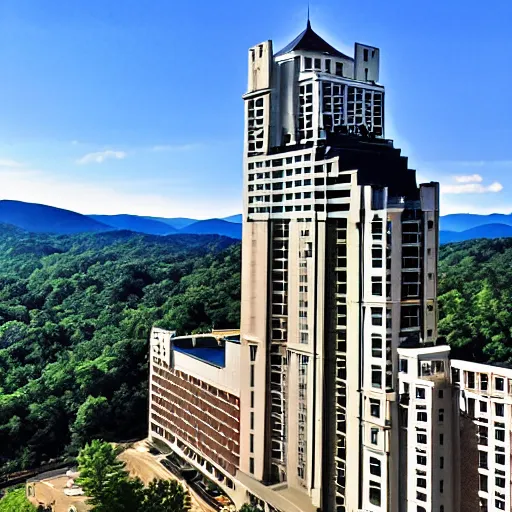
{"x":339,"y":256}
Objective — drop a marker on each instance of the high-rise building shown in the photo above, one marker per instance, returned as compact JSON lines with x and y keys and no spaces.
{"x":339,"y":269}
{"x":337,"y":395}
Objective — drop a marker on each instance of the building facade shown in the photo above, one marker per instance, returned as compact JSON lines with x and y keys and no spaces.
{"x":194,"y":400}
{"x":338,"y":395}
{"x":339,"y":268}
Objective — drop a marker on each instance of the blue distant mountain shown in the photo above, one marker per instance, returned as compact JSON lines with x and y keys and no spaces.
{"x":48,"y":219}
{"x":40,"y":218}
{"x":214,"y":227}
{"x":485,"y":231}
{"x":234,"y":218}
{"x":465,"y":221}
{"x":177,"y":222}
{"x":136,"y":224}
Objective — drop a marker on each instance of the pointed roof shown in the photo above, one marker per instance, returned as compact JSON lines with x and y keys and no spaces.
{"x":310,"y":41}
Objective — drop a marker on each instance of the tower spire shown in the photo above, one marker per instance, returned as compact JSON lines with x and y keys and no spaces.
{"x":309,"y":22}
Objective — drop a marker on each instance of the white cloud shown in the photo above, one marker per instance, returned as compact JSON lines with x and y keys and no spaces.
{"x":472,"y":178}
{"x":471,"y":188}
{"x":10,"y":163}
{"x":37,"y":186}
{"x":100,"y":156}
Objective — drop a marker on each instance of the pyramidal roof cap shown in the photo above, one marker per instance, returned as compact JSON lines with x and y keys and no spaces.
{"x":310,"y":41}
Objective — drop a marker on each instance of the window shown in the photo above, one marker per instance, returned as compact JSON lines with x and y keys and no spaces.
{"x":375,"y":493}
{"x":422,"y":438}
{"x":500,"y":505}
{"x":252,"y":421}
{"x":482,"y":460}
{"x":376,"y":346}
{"x":374,"y":435}
{"x":365,"y":54}
{"x":308,"y":63}
{"x":421,"y":460}
{"x":500,"y":481}
{"x":376,"y":256}
{"x":483,"y":482}
{"x":403,"y":365}
{"x":366,"y":74}
{"x":376,"y":376}
{"x":483,"y":406}
{"x":440,"y":393}
{"x":260,"y":48}
{"x":441,"y":486}
{"x":252,"y":376}
{"x":470,"y":380}
{"x":420,"y":496}
{"x":441,"y":439}
{"x":499,"y":434}
{"x":376,"y":285}
{"x":499,"y":383}
{"x":376,"y":316}
{"x":500,"y":410}
{"x":377,"y":228}
{"x":252,"y":399}
{"x":252,"y":350}
{"x":484,"y":380}
{"x":339,"y":68}
{"x":441,"y":462}
{"x":318,"y":64}
{"x":375,"y":466}
{"x":327,"y":65}
{"x":421,"y":416}
{"x":420,"y":393}
{"x":251,"y":443}
{"x":500,"y":459}
{"x":375,"y":407}
{"x":421,"y":482}
{"x":251,"y":465}
{"x":441,"y":415}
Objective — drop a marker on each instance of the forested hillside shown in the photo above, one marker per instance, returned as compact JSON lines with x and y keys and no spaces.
{"x":76,"y":310}
{"x":475,"y":299}
{"x":75,"y":314}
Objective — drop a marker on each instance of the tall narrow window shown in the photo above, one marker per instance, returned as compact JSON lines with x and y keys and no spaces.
{"x":375,"y":493}
{"x":365,"y":54}
{"x":375,"y":466}
{"x":327,"y":65}
{"x":339,"y":68}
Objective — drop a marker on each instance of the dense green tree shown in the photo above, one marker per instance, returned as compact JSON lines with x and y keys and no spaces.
{"x":75,"y":316}
{"x":16,"y":501}
{"x":165,"y":496}
{"x":247,"y":507}
{"x":104,"y":479}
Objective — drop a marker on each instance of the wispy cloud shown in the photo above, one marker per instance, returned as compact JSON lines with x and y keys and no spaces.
{"x":100,"y":156}
{"x":175,"y":147}
{"x":471,"y":188}
{"x":10,"y":163}
{"x":471,"y":178}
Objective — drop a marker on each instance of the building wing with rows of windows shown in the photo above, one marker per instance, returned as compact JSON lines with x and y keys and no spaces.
{"x":341,"y":397}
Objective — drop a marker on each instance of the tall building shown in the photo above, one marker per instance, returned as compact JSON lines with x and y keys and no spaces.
{"x":337,"y":395}
{"x":339,"y":269}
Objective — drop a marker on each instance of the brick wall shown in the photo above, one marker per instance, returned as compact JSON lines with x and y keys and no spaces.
{"x":203,"y":416}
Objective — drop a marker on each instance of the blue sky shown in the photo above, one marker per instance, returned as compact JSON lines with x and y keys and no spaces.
{"x":135,"y":106}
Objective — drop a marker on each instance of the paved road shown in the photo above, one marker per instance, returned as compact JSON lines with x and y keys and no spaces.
{"x":139,"y":462}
